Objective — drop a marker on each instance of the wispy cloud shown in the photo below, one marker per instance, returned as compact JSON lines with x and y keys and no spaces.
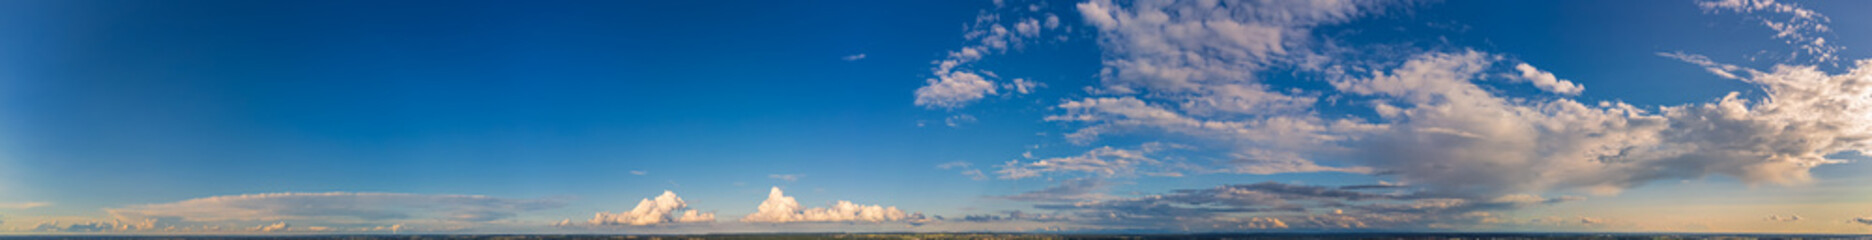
{"x":854,"y":57}
{"x":24,"y":205}
{"x":786,"y":177}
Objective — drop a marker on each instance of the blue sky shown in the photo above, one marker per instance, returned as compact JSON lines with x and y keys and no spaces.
{"x":360,"y":116}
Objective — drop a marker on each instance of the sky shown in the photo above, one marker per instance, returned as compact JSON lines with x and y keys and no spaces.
{"x":638,"y":117}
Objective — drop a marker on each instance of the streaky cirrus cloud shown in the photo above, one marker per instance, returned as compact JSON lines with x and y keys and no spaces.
{"x":336,"y":206}
{"x":1078,"y":189}
{"x":779,"y":208}
{"x":666,"y":208}
{"x":23,"y":205}
{"x":117,"y":225}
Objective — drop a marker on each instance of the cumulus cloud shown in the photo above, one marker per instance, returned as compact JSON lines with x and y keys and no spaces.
{"x":1452,"y":134}
{"x":1798,"y":26}
{"x":1547,"y":82}
{"x":953,"y":90}
{"x":332,"y":208}
{"x":666,"y":208}
{"x":779,"y":208}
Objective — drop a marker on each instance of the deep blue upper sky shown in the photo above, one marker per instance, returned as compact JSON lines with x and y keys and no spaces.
{"x":111,"y":104}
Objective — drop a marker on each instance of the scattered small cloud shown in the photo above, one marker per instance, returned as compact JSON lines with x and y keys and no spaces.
{"x":959,"y":119}
{"x":638,"y":172}
{"x":1798,"y":26}
{"x":854,"y":57}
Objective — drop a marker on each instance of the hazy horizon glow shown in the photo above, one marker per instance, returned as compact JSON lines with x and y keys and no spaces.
{"x":316,"y":117}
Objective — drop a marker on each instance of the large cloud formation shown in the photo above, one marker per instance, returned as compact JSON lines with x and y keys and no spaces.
{"x":779,"y":208}
{"x":1188,"y":73}
{"x":1437,"y":123}
{"x":666,"y":208}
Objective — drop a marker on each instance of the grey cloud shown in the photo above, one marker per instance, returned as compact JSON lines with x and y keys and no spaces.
{"x":1014,"y":216}
{"x":1069,"y":190}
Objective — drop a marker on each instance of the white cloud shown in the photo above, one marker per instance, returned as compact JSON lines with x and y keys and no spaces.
{"x":1183,"y":46}
{"x":956,"y":86}
{"x":24,"y":205}
{"x":1453,"y":135}
{"x":1261,"y":144}
{"x":779,"y":208}
{"x":854,"y":57}
{"x":1022,"y":86}
{"x":638,"y":172}
{"x":958,"y":119}
{"x":666,"y":208}
{"x":1721,"y":70}
{"x":1799,"y":26}
{"x":786,"y":177}
{"x":953,"y":89}
{"x":1103,"y":161}
{"x":1547,"y":82}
